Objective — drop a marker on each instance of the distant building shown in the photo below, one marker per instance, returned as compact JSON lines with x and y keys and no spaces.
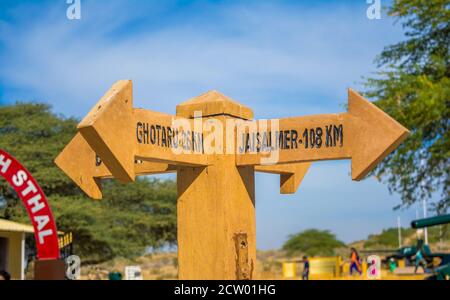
{"x":12,"y":247}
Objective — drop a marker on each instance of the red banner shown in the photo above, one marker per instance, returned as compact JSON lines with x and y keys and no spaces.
{"x":36,"y":204}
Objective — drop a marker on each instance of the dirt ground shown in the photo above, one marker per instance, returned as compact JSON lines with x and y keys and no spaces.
{"x":163,"y":266}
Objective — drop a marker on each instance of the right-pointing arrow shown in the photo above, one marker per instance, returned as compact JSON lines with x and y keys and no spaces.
{"x":365,"y":134}
{"x":375,"y":133}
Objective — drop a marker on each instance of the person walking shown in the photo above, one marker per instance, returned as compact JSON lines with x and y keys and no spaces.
{"x":305,"y":274}
{"x":355,"y":263}
{"x":419,"y":257}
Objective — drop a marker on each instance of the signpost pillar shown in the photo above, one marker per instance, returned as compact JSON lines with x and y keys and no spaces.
{"x":216,"y":205}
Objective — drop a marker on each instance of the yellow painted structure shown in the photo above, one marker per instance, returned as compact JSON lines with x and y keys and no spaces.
{"x":323,"y":265}
{"x":339,"y":262}
{"x":364,"y":267}
{"x":345,"y":268}
{"x":12,"y":247}
{"x":320,"y":267}
{"x":289,"y":269}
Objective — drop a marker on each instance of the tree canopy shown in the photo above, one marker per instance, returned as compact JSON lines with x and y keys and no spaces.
{"x":413,"y":86}
{"x":312,"y":242}
{"x":388,"y":238}
{"x":129,"y":219}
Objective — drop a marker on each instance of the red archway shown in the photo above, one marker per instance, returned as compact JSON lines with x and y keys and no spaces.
{"x":36,"y":204}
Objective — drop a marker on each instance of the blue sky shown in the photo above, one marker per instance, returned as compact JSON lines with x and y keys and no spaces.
{"x":282,"y":58}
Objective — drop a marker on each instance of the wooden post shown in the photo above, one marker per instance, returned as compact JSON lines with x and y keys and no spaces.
{"x":216,"y":206}
{"x":49,"y":269}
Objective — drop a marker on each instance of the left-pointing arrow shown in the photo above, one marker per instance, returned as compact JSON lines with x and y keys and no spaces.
{"x":119,"y":134}
{"x":108,"y":127}
{"x":80,"y":163}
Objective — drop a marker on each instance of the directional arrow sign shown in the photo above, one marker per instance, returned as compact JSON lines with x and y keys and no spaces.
{"x":119,"y":134}
{"x":365,"y":134}
{"x":216,"y":191}
{"x":80,"y":163}
{"x":83,"y":166}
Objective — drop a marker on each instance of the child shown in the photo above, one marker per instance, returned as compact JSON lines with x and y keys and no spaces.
{"x":419,"y":257}
{"x":305,"y":275}
{"x":392,"y":265}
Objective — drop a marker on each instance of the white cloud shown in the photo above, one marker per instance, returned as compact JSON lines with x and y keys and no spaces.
{"x":258,"y":54}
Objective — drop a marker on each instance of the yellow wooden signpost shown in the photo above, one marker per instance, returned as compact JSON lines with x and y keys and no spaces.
{"x":215,"y":146}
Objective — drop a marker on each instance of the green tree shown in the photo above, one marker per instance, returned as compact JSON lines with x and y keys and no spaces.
{"x":129,"y":219}
{"x":389,"y":237}
{"x":312,"y":242}
{"x":413,"y":86}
